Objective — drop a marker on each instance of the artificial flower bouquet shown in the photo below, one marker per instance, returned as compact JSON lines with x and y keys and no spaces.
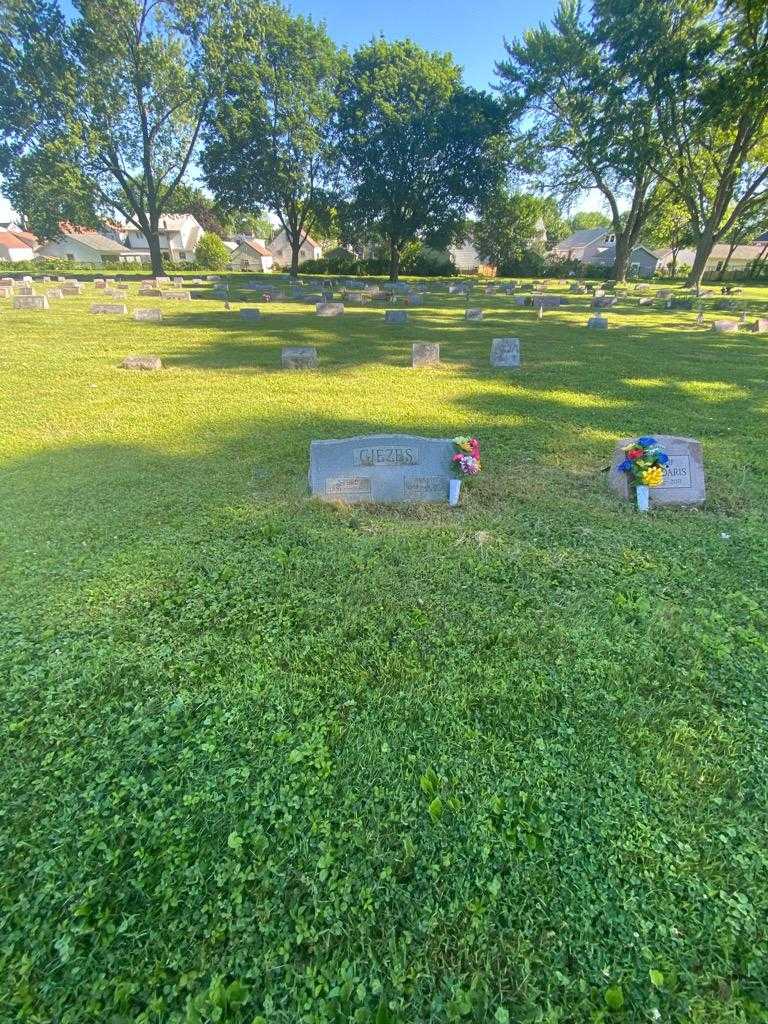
{"x":644,"y":461}
{"x":464,"y":462}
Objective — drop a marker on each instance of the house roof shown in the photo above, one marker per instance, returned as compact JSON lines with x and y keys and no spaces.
{"x":94,"y":240}
{"x":307,"y":241}
{"x":17,"y":240}
{"x":763,"y":237}
{"x":257,"y":247}
{"x":168,"y":222}
{"x":580,"y":238}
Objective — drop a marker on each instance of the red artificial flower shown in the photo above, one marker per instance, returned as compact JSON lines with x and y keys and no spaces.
{"x":635,"y":453}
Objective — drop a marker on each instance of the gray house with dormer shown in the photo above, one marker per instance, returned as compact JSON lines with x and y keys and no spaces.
{"x":596,"y":247}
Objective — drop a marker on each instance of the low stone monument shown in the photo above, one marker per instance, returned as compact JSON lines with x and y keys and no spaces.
{"x":299,"y":357}
{"x":250,"y":313}
{"x":546,"y":301}
{"x":25,"y":289}
{"x":682,"y":304}
{"x":647,"y":301}
{"x":54,"y":293}
{"x":387,"y":468}
{"x":142,"y":363}
{"x":522,"y":300}
{"x":5,"y":291}
{"x":329,"y":308}
{"x":149,"y":292}
{"x":167,"y":280}
{"x":109,"y":307}
{"x":177,"y":296}
{"x":604,"y":301}
{"x":760,"y":325}
{"x":683,"y":477}
{"x":598,"y":322}
{"x":99,"y":282}
{"x":726,"y":326}
{"x":473,"y":314}
{"x":425,"y":353}
{"x":395,"y":316}
{"x":148,"y":314}
{"x":29,"y":302}
{"x":505,"y":353}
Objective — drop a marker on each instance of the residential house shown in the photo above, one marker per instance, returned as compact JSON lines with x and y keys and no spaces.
{"x":80,"y":245}
{"x":179,"y":234}
{"x":280,"y":248}
{"x":251,"y":254}
{"x":16,"y":245}
{"x":741,"y":257}
{"x":643,"y":261}
{"x":583,"y":246}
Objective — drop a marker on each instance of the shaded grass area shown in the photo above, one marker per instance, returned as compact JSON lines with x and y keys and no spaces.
{"x":269,"y":759}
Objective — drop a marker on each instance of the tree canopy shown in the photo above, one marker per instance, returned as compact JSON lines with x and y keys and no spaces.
{"x":417,"y":149}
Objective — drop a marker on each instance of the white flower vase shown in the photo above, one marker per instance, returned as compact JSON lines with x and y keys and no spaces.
{"x":454,"y":490}
{"x":643,"y":498}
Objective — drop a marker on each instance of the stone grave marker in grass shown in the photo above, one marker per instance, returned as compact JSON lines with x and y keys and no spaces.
{"x":386,"y":468}
{"x":250,"y":313}
{"x":683,"y":483}
{"x":473,"y":314}
{"x":598,"y":322}
{"x":109,"y":307}
{"x":148,"y":314}
{"x":726,"y":326}
{"x":505,"y":353}
{"x":395,"y":316}
{"x":29,"y":302}
{"x":329,"y":308}
{"x":425,"y":353}
{"x":299,"y":357}
{"x":142,"y":363}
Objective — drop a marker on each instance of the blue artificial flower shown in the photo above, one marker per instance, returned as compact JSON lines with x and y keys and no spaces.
{"x":645,"y":441}
{"x":625,"y":466}
{"x":662,"y":458}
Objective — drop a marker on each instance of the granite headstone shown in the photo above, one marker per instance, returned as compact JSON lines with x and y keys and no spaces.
{"x":505,"y":352}
{"x":425,"y":353}
{"x":683,"y":478}
{"x":399,"y":468}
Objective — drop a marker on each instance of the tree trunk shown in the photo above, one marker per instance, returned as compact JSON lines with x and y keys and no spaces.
{"x":727,"y":260}
{"x":155,"y":254}
{"x":394,"y":262}
{"x":703,"y":251}
{"x":673,"y":267}
{"x":295,"y":250}
{"x":622,"y":258}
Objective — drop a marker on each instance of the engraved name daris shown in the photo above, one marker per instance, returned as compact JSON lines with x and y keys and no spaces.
{"x":386,"y":455}
{"x":349,"y":486}
{"x":677,"y":472}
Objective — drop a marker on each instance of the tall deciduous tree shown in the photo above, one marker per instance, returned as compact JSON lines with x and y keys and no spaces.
{"x":703,"y":66}
{"x":597,"y":129}
{"x":508,"y":227}
{"x":417,"y":149}
{"x":669,"y":226}
{"x":270,"y":140}
{"x":122,"y":102}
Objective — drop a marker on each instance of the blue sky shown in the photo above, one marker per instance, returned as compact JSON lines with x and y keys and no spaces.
{"x":473,"y":34}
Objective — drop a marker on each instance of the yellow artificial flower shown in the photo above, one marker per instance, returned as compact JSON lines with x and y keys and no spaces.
{"x":653,"y":476}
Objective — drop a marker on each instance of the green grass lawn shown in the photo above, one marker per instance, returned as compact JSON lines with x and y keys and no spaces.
{"x":270,"y":760}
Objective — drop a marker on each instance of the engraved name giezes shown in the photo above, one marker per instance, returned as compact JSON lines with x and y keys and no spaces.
{"x":386,"y":455}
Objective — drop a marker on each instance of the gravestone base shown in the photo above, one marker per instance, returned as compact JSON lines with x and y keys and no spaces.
{"x":148,"y":314}
{"x":395,"y":316}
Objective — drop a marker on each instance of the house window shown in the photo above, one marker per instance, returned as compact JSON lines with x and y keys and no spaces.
{"x":610,"y":238}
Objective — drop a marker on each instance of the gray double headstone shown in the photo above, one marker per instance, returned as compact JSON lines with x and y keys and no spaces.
{"x":387,"y":468}
{"x":505,"y":353}
{"x":148,"y":314}
{"x":473,"y":314}
{"x":684,"y":482}
{"x":726,"y":326}
{"x":299,"y":357}
{"x":425,"y":353}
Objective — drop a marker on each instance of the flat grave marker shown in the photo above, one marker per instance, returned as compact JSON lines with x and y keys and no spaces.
{"x":684,"y":482}
{"x":505,"y":353}
{"x":425,"y":353}
{"x":299,"y":357}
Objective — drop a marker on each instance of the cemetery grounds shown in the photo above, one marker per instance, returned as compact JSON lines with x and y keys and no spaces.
{"x":268,"y":760}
